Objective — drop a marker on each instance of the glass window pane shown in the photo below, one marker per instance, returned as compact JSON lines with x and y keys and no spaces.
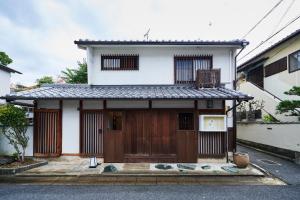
{"x":294,"y":61}
{"x":115,"y":120}
{"x":186,"y":121}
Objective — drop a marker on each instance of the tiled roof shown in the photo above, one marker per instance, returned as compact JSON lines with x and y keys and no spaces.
{"x":283,"y":40}
{"x":75,"y":91}
{"x":86,"y":42}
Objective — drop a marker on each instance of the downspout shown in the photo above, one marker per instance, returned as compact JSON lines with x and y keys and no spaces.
{"x":244,"y":44}
{"x":227,"y":138}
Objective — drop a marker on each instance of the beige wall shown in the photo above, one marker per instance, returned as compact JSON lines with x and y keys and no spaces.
{"x":285,"y":136}
{"x":283,"y":81}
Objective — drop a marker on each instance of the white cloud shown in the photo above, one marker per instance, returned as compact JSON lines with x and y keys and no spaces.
{"x":46,"y":46}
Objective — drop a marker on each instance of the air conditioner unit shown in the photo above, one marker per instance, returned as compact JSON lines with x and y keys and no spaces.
{"x":212,"y":123}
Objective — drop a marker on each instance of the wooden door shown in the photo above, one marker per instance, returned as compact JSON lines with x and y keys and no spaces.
{"x":113,"y":136}
{"x":187,"y":146}
{"x":47,"y":133}
{"x":91,"y":133}
{"x":137,"y":135}
{"x":150,"y":136}
{"x":164,"y":133}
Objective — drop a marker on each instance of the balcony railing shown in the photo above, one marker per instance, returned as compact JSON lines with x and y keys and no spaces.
{"x":208,"y":78}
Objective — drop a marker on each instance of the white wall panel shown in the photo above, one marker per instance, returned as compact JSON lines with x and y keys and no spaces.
{"x":70,"y":127}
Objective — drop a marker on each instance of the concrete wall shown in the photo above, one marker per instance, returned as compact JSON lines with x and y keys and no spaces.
{"x":7,"y":149}
{"x":270,"y":102}
{"x":285,"y":136}
{"x":156,"y":64}
{"x":4,"y":84}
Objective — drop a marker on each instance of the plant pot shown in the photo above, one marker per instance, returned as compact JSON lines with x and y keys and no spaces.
{"x":241,"y":160}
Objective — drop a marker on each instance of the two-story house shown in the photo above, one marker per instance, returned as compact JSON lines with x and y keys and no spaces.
{"x":143,"y":103}
{"x":272,"y":72}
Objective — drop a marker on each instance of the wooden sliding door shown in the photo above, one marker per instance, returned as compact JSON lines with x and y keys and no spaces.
{"x":47,"y":133}
{"x":113,"y":136}
{"x":150,"y":136}
{"x":91,"y":133}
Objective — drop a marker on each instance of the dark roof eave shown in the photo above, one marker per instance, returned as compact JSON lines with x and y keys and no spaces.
{"x":253,"y":62}
{"x":292,"y":35}
{"x":8,"y":69}
{"x":10,"y":98}
{"x":240,"y":43}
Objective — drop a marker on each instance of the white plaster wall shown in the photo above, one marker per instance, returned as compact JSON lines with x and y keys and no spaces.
{"x":7,"y":149}
{"x":172,"y":104}
{"x":270,"y":103}
{"x":279,"y":83}
{"x":4,"y":84}
{"x":217,"y":104}
{"x":127,"y":104}
{"x":156,"y":64}
{"x":48,"y":104}
{"x":286,"y":136}
{"x":70,"y":127}
{"x":92,"y":104}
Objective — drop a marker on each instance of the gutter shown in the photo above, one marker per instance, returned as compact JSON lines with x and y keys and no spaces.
{"x":234,"y":87}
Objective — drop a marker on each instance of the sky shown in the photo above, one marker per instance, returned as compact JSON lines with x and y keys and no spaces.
{"x":39,"y":34}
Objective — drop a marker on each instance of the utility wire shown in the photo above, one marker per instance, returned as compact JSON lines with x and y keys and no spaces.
{"x":265,"y":16}
{"x":289,"y":23}
{"x":282,"y":17}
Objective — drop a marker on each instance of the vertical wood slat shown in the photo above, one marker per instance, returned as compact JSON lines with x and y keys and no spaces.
{"x":119,"y":62}
{"x":47,"y":133}
{"x":91,"y":133}
{"x":211,"y":144}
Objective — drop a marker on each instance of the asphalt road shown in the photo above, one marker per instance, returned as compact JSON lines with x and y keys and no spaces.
{"x":286,"y":170}
{"x":38,"y":192}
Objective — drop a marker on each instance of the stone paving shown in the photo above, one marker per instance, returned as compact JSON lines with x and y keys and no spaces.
{"x":76,"y":166}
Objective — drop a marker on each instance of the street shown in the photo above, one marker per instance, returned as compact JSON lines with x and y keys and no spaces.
{"x":32,"y":192}
{"x":286,"y":170}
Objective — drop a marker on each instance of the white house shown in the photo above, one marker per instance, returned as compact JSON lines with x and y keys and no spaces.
{"x":142,"y":103}
{"x":272,"y":72}
{"x":268,"y":75}
{"x":5,"y":74}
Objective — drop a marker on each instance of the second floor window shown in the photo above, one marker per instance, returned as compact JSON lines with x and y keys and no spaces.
{"x":187,"y":66}
{"x":294,"y":61}
{"x":119,"y":62}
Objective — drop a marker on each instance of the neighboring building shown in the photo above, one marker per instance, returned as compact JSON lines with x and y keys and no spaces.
{"x":267,"y":76}
{"x":5,"y":74}
{"x":142,"y":103}
{"x":272,"y":72}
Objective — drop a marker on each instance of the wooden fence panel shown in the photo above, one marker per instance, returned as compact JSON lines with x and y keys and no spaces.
{"x":91,"y":136}
{"x":47,"y":134}
{"x":211,"y":144}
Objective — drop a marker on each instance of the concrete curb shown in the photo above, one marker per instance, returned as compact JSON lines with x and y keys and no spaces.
{"x":11,"y":171}
{"x":140,"y":180}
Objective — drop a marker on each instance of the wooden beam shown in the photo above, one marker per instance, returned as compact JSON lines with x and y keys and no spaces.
{"x":196,"y":104}
{"x":104,"y":105}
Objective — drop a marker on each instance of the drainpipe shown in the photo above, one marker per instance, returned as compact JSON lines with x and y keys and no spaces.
{"x":244,"y":44}
{"x":227,"y":138}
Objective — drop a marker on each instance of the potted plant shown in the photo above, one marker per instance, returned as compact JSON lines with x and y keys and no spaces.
{"x":241,"y":159}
